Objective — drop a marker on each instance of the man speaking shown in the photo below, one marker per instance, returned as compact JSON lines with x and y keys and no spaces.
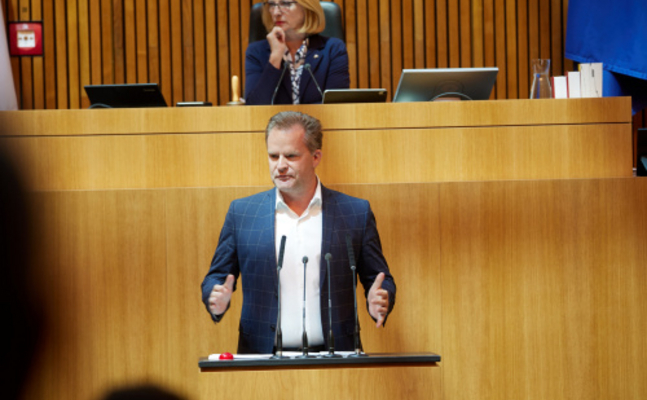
{"x":317,"y":222}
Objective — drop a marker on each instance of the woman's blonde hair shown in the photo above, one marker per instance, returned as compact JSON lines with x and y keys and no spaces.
{"x":314,"y":21}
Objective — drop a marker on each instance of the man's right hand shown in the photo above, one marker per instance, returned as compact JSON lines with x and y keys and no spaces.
{"x":220,"y":296}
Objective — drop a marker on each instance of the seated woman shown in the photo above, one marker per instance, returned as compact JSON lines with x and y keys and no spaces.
{"x":292,"y":47}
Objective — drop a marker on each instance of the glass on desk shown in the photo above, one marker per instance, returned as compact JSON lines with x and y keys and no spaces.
{"x":540,"y":88}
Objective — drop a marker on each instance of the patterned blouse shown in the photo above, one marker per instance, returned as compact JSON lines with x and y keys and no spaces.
{"x":296,"y":68}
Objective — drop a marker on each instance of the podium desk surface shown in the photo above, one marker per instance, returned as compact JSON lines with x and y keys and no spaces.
{"x":366,"y":360}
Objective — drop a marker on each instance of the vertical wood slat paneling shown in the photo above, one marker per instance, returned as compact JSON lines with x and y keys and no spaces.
{"x":141,"y":35}
{"x":385,"y":46}
{"x":130,"y":41}
{"x":522,"y":32}
{"x":84,"y":51}
{"x":188,"y":53}
{"x":374,"y":44}
{"x":234,"y":45}
{"x":407,"y":34}
{"x":199,"y":50}
{"x":176,"y":52}
{"x":38,"y":85}
{"x":26,"y":75}
{"x":511,"y":48}
{"x":211,"y":44}
{"x":61,"y":54}
{"x":49,"y":57}
{"x":362,"y":44}
{"x":351,"y":40}
{"x":466,"y":33}
{"x":118,"y":41}
{"x":500,"y":49}
{"x":478,"y":32}
{"x":192,"y":47}
{"x":533,"y":37}
{"x":430,"y":34}
{"x":419,"y":33}
{"x":165,"y":50}
{"x":453,"y":31}
{"x":396,"y":44}
{"x":441,"y":32}
{"x":153,"y":43}
{"x":95,"y":24}
{"x":488,"y":33}
{"x":73,"y":54}
{"x":107,"y":55}
{"x":223,"y":51}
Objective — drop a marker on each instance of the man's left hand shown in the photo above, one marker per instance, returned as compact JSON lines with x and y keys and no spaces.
{"x":378,"y":300}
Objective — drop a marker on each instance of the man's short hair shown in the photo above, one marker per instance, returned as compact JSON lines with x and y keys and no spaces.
{"x":287,"y":119}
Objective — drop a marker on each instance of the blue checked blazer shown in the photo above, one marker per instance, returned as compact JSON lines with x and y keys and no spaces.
{"x":247,"y":248}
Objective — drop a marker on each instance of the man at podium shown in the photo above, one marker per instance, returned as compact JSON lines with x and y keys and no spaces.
{"x":320,"y":226}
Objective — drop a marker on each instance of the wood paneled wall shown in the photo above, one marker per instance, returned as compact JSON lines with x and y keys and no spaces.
{"x":192,"y":47}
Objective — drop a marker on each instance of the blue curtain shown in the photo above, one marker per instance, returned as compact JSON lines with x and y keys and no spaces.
{"x":613,"y":32}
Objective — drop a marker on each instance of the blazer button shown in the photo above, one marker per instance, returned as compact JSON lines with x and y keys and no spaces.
{"x":273,"y":327}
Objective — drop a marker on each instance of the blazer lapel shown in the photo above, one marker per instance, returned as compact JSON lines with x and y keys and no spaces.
{"x":269,"y":235}
{"x":329,"y":210}
{"x":313,"y":57}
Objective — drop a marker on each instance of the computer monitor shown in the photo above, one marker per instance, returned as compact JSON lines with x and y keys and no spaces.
{"x":332,"y":96}
{"x":436,"y":84}
{"x":127,"y":95}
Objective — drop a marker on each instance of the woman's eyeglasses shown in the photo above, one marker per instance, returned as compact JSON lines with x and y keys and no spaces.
{"x":282,"y":5}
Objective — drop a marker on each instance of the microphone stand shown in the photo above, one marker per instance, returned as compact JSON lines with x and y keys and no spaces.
{"x":351,"y":257}
{"x":309,"y":68}
{"x":305,"y":334}
{"x":331,"y":337}
{"x":278,"y":85}
{"x":278,"y":354}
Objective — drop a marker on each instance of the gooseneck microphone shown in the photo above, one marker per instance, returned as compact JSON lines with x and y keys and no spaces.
{"x":351,"y":259}
{"x":331,"y":337}
{"x":309,"y":68}
{"x":305,"y":333}
{"x":278,"y":354}
{"x":278,"y":85}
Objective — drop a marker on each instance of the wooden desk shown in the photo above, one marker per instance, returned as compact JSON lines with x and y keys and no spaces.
{"x":363,"y":143}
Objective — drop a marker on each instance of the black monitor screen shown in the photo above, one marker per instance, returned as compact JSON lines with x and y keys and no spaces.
{"x":127,"y":95}
{"x":433,"y":84}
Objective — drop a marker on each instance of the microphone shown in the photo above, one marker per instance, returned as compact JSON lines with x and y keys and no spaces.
{"x":305,"y":334}
{"x":278,"y":85}
{"x":353,"y":267}
{"x":278,"y":354}
{"x":331,"y":337}
{"x":307,"y":66}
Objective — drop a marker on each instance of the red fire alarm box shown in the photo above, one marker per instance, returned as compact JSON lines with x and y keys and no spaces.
{"x":26,"y":38}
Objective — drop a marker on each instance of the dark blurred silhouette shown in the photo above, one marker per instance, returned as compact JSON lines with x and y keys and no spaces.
{"x":21,"y":300}
{"x":19,"y":297}
{"x":144,"y":392}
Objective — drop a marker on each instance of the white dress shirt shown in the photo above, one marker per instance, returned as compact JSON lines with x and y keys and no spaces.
{"x":303,"y":238}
